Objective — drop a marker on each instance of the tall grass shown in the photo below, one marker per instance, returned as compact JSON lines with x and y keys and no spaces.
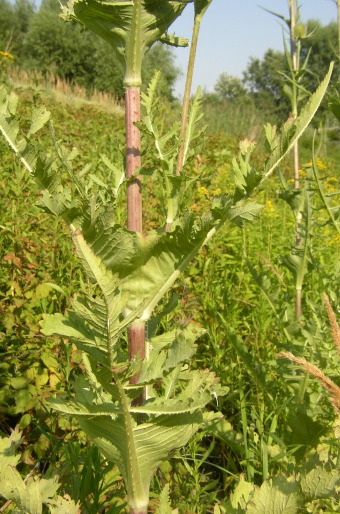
{"x":64,"y":91}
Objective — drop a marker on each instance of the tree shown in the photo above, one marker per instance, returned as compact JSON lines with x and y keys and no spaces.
{"x":264,"y":80}
{"x":61,"y":48}
{"x":14,"y":21}
{"x":229,"y":87}
{"x":323,"y":43}
{"x":161,"y":58}
{"x":53,"y":46}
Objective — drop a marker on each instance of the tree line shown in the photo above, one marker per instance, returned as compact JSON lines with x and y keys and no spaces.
{"x":38,"y":39}
{"x":263,"y":79}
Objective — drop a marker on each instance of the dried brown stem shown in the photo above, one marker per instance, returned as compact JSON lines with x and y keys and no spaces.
{"x":335,"y":330}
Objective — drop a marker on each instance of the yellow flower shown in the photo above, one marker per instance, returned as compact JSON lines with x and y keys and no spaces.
{"x":218,"y":191}
{"x":269,"y":206}
{"x":203,"y":190}
{"x":6,"y":55}
{"x":321,"y":165}
{"x":332,"y":180}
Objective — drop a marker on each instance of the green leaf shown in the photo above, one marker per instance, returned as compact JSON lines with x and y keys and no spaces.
{"x":195,"y":116}
{"x":139,"y":450}
{"x":292,"y":130}
{"x":61,"y":505}
{"x":19,"y":382}
{"x":200,"y":8}
{"x":320,"y":483}
{"x":164,"y":506}
{"x":39,"y":118}
{"x":195,"y":395}
{"x":173,"y":40}
{"x":74,"y":408}
{"x":9,"y":128}
{"x":48,"y":488}
{"x":26,"y":496}
{"x":57,"y":324}
{"x":167,"y":351}
{"x":242,"y":494}
{"x":277,"y":496}
{"x":8,"y":447}
{"x":131,"y":27}
{"x":49,"y":360}
{"x":118,"y":174}
{"x":333,"y":210}
{"x":245,"y":211}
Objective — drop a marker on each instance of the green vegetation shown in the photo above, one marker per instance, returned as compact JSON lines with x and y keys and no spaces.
{"x":228,"y":367}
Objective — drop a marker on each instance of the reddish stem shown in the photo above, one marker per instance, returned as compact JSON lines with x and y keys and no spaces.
{"x":133,"y":158}
{"x":134,"y":201}
{"x":137,"y":344}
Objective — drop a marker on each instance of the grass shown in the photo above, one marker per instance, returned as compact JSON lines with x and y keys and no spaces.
{"x":71,"y":95}
{"x":274,"y":416}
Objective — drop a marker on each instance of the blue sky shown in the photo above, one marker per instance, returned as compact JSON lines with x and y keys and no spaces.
{"x":234,"y":30}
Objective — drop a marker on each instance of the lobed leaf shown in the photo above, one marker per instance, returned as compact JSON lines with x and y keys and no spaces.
{"x":320,"y":483}
{"x":277,"y":496}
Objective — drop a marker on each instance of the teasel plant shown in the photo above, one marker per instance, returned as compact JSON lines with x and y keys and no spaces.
{"x":137,"y":404}
{"x":296,"y":93}
{"x":131,"y":28}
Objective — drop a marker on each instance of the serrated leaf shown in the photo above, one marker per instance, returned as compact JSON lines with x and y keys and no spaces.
{"x":245,"y":211}
{"x":194,"y":117}
{"x":276,"y":496}
{"x":26,"y":496}
{"x":167,"y":351}
{"x":292,"y":131}
{"x":320,"y":483}
{"x":57,"y":324}
{"x":137,"y":458}
{"x":164,"y":506}
{"x":74,"y":408}
{"x":8,"y":447}
{"x":242,"y":494}
{"x":173,"y":40}
{"x":61,"y":505}
{"x":39,"y":118}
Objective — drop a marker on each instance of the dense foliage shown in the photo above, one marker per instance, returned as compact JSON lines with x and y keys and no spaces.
{"x":263,"y":80}
{"x":40,"y":40}
{"x":270,"y":438}
{"x":240,"y":345}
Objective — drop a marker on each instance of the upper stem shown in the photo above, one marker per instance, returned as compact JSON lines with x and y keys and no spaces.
{"x":187,"y":91}
{"x":133,"y":158}
{"x":134,"y":199}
